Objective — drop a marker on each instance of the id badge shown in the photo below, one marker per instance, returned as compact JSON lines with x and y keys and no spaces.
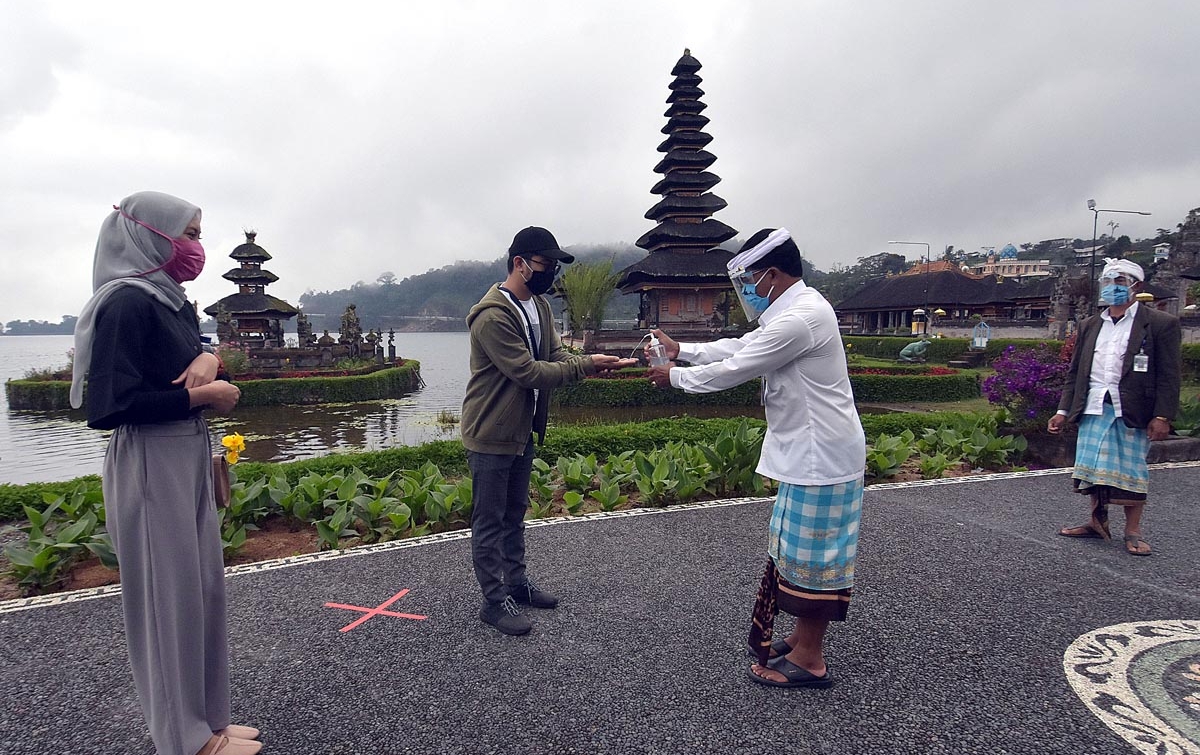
{"x":1141,"y":362}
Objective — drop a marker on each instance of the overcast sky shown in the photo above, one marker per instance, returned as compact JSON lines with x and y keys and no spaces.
{"x":359,"y":138}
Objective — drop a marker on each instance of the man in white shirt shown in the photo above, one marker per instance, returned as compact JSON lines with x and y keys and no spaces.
{"x":814,"y":448}
{"x":1123,"y":391}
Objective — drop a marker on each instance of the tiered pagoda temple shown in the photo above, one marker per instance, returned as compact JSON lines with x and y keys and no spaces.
{"x":682,"y":282}
{"x":251,"y":317}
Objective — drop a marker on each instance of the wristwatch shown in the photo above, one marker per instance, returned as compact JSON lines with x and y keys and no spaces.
{"x":1164,"y":419}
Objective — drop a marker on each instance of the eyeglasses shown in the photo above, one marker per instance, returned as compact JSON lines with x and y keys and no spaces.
{"x":552,"y":266}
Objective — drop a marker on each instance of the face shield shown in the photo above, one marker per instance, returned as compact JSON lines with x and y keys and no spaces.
{"x":744,"y":283}
{"x":1115,"y":289}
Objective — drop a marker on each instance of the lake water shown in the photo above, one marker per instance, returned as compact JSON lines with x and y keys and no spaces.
{"x":46,"y":446}
{"x":49,"y":446}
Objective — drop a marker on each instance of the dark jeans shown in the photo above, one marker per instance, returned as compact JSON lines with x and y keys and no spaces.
{"x":499,"y":497}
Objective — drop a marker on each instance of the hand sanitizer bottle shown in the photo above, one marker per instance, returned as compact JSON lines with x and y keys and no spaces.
{"x":657,"y":353}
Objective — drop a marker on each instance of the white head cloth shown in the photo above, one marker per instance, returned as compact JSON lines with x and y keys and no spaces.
{"x":124,"y":251}
{"x":747,"y":258}
{"x":1115,"y":267}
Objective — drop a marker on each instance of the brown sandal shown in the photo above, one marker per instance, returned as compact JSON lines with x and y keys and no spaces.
{"x":1136,"y":546}
{"x":1087,"y":531}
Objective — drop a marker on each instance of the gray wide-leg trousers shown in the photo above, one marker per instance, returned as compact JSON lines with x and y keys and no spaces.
{"x":159,"y":510}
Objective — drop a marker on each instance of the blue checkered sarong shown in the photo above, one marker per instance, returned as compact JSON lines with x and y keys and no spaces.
{"x":1109,"y":452}
{"x":814,"y":534}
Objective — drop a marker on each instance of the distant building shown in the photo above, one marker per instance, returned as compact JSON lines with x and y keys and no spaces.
{"x":1083,"y":257}
{"x":1011,"y":267}
{"x":1162,"y":252}
{"x":887,"y":304}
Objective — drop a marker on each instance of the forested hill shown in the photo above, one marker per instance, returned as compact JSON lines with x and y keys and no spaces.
{"x":444,"y":296}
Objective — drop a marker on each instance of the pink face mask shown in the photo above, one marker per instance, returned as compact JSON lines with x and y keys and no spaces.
{"x":187,"y":256}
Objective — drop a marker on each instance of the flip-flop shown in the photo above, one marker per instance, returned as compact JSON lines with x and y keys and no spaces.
{"x":1086,"y":532}
{"x":778,"y":647}
{"x":1133,"y":545}
{"x":796,"y":676}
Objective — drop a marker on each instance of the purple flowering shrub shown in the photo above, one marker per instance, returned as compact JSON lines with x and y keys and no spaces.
{"x":1028,"y":383}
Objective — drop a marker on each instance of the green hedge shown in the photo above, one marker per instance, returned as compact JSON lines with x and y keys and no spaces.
{"x":13,"y":497}
{"x":637,"y":391}
{"x":448,"y":455}
{"x":964,"y":385}
{"x":388,"y":383}
{"x":875,"y":425}
{"x":941,"y":350}
{"x":54,"y":395}
{"x":38,"y":395}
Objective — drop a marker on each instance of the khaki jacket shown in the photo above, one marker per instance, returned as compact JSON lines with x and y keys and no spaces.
{"x":498,"y":411}
{"x":1144,"y":395}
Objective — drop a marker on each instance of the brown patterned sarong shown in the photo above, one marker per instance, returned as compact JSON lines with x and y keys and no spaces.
{"x":775,"y":594}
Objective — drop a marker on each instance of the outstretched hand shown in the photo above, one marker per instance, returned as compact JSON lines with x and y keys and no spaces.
{"x":608,"y":363}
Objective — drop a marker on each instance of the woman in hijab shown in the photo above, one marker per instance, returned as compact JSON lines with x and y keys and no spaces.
{"x":148,"y":380}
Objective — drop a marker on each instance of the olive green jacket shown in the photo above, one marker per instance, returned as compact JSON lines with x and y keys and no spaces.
{"x":498,"y":411}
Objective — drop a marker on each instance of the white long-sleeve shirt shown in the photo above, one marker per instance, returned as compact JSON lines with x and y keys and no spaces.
{"x":814,"y":436}
{"x":1108,"y":361}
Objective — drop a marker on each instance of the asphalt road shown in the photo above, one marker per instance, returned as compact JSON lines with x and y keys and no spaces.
{"x":965,"y":603}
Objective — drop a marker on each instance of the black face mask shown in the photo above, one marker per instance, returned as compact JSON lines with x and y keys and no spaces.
{"x":540,"y":281}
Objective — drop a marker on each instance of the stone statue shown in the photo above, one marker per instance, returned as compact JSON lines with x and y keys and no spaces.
{"x":304,"y":333}
{"x":351,"y":334}
{"x":915,"y":351}
{"x":224,"y":326}
{"x":274,"y":334}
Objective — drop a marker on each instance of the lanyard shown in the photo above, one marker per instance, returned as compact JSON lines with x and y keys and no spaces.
{"x":533,"y":344}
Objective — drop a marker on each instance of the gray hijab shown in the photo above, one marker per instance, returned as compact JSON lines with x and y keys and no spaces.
{"x":123,"y":250}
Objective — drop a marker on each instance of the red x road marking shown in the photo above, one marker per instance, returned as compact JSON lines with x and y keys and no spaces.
{"x":376,"y":611}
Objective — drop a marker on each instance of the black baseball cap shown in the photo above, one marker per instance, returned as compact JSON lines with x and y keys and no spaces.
{"x":534,"y":240}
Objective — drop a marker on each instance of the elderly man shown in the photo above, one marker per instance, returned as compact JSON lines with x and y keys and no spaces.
{"x":814,"y":447}
{"x":1123,"y":391}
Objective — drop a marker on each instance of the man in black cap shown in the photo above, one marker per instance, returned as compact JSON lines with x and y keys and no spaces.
{"x":517,"y":359}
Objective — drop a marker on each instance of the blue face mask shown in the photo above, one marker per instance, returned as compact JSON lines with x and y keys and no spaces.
{"x":755,"y":302}
{"x":1115,"y":294}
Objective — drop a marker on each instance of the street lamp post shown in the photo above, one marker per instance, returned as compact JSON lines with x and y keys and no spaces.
{"x":924,"y":279}
{"x":1091,"y":204}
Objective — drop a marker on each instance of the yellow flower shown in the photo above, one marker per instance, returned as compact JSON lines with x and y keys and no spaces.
{"x":234,"y":444}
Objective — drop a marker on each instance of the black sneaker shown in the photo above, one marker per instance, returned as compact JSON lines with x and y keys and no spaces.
{"x":506,"y":617}
{"x":530,"y":595}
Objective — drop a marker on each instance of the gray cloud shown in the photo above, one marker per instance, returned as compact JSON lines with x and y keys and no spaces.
{"x":358,"y":139}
